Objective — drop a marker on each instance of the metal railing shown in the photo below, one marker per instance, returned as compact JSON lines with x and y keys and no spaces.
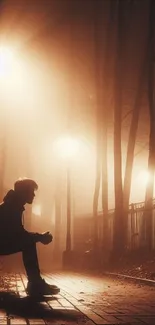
{"x":136,"y":227}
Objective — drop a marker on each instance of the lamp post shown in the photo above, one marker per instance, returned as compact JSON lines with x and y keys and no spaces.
{"x":68,"y":235}
{"x":67,"y":148}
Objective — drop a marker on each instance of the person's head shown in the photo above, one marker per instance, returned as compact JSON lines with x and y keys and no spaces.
{"x":24,"y":189}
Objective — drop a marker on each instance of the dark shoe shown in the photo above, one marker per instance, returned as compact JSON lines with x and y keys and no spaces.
{"x":41,"y":288}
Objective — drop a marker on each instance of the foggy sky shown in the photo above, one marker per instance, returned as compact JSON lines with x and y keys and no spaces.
{"x":55,"y":42}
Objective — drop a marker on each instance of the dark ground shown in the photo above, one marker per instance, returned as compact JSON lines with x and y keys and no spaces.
{"x":137,"y":264}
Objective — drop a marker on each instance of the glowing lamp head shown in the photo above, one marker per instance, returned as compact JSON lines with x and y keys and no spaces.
{"x":6,"y":60}
{"x":66,"y":147}
{"x":143,"y":177}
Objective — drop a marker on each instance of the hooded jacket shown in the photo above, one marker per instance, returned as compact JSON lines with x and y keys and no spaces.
{"x":11,"y":215}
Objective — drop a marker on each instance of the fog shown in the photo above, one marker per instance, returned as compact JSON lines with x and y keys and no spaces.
{"x":40,"y":103}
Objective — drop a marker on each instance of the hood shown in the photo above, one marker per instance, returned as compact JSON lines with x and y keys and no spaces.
{"x":12,"y":200}
{"x":9,"y":197}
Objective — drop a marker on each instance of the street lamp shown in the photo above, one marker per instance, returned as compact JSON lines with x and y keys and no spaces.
{"x":67,"y":148}
{"x":6,"y":61}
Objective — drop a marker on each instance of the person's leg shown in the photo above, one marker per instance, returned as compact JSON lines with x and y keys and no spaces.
{"x":30,"y":259}
{"x":26,"y":244}
{"x":36,"y":285}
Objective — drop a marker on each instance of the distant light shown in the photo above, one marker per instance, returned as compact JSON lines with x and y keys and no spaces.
{"x":36,"y":210}
{"x":66,"y":147}
{"x":6,"y":60}
{"x":143,"y":177}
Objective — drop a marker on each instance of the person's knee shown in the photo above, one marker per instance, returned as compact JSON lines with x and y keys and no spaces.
{"x":29,"y":241}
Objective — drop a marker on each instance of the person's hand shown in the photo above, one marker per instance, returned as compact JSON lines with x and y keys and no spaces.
{"x":46,"y":238}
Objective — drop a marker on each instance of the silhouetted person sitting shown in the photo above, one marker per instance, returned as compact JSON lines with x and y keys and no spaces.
{"x":14,"y":238}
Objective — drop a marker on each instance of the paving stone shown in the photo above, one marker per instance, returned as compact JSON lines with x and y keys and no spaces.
{"x":36,"y":322}
{"x":3,"y":318}
{"x":17,"y":321}
{"x":83,"y":299}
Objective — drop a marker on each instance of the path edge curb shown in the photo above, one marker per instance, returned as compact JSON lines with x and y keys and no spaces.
{"x":140,"y":280}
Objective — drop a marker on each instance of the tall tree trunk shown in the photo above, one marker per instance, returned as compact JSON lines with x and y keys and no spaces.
{"x":97,"y":64}
{"x":105,"y":109}
{"x":97,"y":190}
{"x":118,"y":220}
{"x":151,"y":158}
{"x":57,"y":231}
{"x":131,"y":143}
{"x":105,"y":183}
{"x":102,"y":51}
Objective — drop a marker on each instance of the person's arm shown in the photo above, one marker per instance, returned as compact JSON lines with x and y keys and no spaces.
{"x":44,"y":238}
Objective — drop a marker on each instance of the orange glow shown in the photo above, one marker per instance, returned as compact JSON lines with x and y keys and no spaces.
{"x":6,"y":61}
{"x":17,"y":83}
{"x":143,"y":177}
{"x":12,"y":78}
{"x":36,"y":209}
{"x":34,"y":97}
{"x":66,"y":147}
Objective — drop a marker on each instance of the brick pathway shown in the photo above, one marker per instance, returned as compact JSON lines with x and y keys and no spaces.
{"x":84,"y":300}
